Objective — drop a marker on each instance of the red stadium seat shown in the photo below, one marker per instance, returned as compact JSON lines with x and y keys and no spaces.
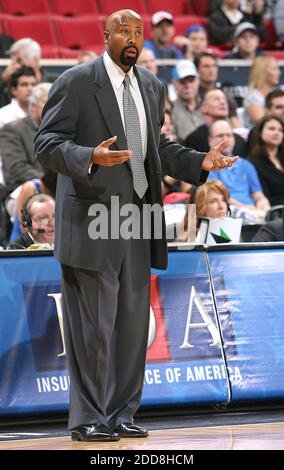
{"x":79,"y":33}
{"x":39,"y":28}
{"x":200,"y":7}
{"x":175,"y":7}
{"x":271,"y":38}
{"x":25,"y":7}
{"x":277,"y":54}
{"x":182,"y":23}
{"x":73,"y":7}
{"x":108,"y":6}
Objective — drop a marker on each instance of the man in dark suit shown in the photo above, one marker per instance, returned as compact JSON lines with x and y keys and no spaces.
{"x":272,"y":231}
{"x":105,"y":279}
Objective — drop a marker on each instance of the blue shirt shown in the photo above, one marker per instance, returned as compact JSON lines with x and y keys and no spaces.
{"x":241,"y":180}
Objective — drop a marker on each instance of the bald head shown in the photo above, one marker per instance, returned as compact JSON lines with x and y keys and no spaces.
{"x":121,"y":16}
{"x":215,"y":105}
{"x":219,"y":131}
{"x":124,"y":38}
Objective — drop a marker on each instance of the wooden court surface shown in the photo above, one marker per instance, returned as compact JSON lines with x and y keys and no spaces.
{"x":265,"y":436}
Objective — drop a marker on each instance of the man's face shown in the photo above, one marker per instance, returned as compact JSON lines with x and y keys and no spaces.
{"x":221,"y":130}
{"x":163,"y":32}
{"x":208,"y":70}
{"x":216,"y":105}
{"x":24,"y":88}
{"x":124,"y":39}
{"x":198,"y":41}
{"x":43,"y":216}
{"x":187,"y":87}
{"x":247,"y":43}
{"x":277,"y":107}
{"x":148,"y":61}
{"x":36,"y":110}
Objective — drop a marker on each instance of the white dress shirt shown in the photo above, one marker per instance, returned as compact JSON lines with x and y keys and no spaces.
{"x":11,"y":112}
{"x":116,"y":76}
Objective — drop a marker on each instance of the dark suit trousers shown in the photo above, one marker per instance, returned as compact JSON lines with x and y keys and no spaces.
{"x":106,"y":319}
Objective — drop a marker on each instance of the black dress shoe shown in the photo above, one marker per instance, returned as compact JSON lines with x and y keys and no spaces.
{"x":93,"y":432}
{"x":130,"y":430}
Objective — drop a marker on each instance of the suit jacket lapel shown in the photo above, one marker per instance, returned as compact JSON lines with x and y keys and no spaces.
{"x":108,"y":104}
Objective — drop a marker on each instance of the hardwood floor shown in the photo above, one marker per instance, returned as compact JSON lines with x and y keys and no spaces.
{"x":229,"y":437}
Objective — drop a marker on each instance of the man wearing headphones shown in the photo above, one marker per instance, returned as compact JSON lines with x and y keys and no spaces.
{"x":38,"y":219}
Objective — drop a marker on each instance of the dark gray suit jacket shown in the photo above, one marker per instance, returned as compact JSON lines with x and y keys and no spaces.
{"x":270,"y":232}
{"x":81,"y":112}
{"x":16,"y":149}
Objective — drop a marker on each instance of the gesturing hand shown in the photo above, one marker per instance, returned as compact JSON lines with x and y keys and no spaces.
{"x":214,"y":160}
{"x":105,"y":157}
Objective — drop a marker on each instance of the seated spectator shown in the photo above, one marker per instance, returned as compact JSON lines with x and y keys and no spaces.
{"x":274,"y":105}
{"x":38,"y":218}
{"x":267,"y":155}
{"x":5,"y":44}
{"x":193,"y":43}
{"x":147,"y":59}
{"x":169,"y":184}
{"x":17,"y":199}
{"x":16,"y":140}
{"x":264,"y":77}
{"x":21,"y":84}
{"x":246,"y":43}
{"x":241,"y":181}
{"x":86,"y":56}
{"x":224,"y":20}
{"x":207,"y":67}
{"x":186,"y":115}
{"x":278,"y":20}
{"x":24,"y":52}
{"x":163,"y":30}
{"x":272,"y":231}
{"x":214,"y":107}
{"x":211,"y":200}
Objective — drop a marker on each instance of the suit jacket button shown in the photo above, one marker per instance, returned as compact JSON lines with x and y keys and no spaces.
{"x":157,"y":172}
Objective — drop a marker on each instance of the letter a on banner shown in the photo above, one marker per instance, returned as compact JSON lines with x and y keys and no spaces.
{"x":195,"y":299}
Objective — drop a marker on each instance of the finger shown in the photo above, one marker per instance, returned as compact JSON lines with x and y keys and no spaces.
{"x":223,"y":144}
{"x":229,"y":161}
{"x":107,"y":143}
{"x":120,"y":153}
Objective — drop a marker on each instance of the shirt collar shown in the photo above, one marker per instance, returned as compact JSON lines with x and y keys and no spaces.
{"x":116,"y":74}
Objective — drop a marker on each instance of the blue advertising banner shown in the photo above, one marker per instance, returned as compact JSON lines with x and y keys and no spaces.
{"x":197,"y":353}
{"x":249,"y":291}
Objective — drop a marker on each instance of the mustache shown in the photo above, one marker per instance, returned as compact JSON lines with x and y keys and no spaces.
{"x":130,"y":47}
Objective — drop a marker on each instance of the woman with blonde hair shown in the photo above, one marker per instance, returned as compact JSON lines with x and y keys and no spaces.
{"x":264,"y":76}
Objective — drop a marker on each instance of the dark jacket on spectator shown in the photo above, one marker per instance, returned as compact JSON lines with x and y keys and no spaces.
{"x":271,"y":232}
{"x":199,"y":141}
{"x":16,"y":149}
{"x":221,"y":30}
{"x":272,"y":179}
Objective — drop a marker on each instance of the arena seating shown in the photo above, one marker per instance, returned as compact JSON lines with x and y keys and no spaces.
{"x":50,"y":22}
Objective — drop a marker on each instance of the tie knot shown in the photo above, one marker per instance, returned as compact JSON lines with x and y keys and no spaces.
{"x":126,"y":81}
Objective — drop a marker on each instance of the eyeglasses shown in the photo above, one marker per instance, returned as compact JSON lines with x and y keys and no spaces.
{"x":44,"y":220}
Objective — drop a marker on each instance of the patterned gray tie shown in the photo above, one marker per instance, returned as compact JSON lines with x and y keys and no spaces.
{"x":134,"y":141}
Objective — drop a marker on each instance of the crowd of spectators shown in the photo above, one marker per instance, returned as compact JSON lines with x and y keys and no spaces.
{"x":200,"y":110}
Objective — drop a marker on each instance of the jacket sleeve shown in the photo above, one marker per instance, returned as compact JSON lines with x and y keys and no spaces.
{"x":55,"y":145}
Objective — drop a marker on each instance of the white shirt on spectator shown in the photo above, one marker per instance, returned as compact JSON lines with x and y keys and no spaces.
{"x":11,"y":112}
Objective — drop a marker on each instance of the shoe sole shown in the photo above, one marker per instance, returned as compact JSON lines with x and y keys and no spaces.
{"x":74,"y":437}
